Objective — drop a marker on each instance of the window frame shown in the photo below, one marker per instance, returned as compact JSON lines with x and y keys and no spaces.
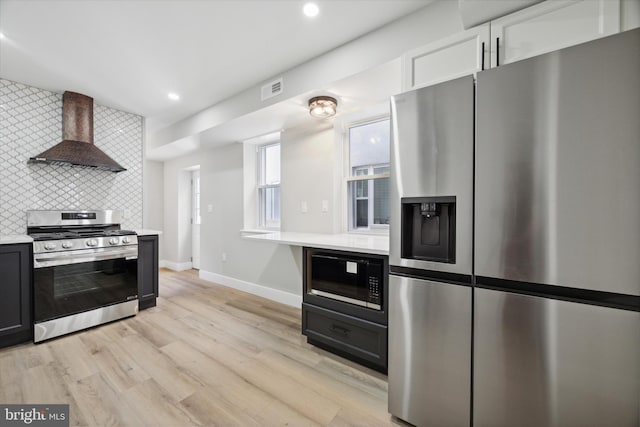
{"x":349,"y":178}
{"x":262,"y":188}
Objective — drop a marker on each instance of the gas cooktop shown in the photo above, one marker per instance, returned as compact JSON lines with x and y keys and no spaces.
{"x":78,"y":234}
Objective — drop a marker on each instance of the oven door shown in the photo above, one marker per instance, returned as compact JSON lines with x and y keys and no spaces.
{"x":67,"y":283}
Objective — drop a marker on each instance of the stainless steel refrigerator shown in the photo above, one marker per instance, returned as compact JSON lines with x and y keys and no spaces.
{"x":532,"y":318}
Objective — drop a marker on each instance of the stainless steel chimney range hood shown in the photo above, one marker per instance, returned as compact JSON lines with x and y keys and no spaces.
{"x":77,"y":148}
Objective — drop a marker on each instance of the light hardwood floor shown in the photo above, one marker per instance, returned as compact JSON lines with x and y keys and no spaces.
{"x":206,"y":355}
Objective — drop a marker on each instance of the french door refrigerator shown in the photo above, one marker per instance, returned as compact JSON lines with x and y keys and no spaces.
{"x":430,"y":255}
{"x":557,"y":239}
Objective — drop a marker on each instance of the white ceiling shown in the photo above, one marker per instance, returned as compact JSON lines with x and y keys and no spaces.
{"x":130,"y":54}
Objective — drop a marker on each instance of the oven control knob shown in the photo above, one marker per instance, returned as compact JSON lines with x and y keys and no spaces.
{"x":114,"y":241}
{"x":67,"y":244}
{"x":92,"y":242}
{"x":126,"y":240}
{"x":50,"y":246}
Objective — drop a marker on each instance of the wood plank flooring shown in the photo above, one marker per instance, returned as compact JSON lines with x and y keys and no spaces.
{"x":207,"y":355}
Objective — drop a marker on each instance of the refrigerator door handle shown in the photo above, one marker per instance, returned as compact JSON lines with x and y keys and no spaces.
{"x":497,"y":51}
{"x":482,"y":58}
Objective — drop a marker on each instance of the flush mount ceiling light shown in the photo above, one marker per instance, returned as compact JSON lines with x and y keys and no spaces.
{"x":323,"y":106}
{"x":173,"y":96}
{"x":310,"y":9}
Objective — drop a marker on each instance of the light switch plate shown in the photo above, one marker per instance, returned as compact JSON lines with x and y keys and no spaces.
{"x":325,"y":206}
{"x":303,"y":207}
{"x":209,"y":208}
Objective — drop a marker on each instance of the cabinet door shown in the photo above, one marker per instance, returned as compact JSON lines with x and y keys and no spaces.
{"x":550,"y":26}
{"x":147,"y":271}
{"x":456,"y":56}
{"x":16,"y":321}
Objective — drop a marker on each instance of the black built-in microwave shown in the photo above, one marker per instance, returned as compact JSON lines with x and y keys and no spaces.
{"x":355,"y":280}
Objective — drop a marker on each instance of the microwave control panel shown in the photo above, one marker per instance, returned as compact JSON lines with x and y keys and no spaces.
{"x":374,"y":290}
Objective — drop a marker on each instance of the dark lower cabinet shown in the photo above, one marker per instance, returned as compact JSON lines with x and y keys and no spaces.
{"x":16,"y":315}
{"x":335,"y":286}
{"x":354,"y":338}
{"x":147,"y":271}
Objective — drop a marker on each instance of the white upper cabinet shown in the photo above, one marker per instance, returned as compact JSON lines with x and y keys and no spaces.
{"x":541,"y":28}
{"x":456,"y":56}
{"x":551,"y":25}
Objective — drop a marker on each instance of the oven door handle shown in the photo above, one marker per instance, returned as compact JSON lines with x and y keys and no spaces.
{"x":54,"y":259}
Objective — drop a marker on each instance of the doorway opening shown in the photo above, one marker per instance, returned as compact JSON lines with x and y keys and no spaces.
{"x":196,"y":219}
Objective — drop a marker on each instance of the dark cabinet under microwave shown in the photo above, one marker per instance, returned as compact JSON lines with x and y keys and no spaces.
{"x":351,"y":279}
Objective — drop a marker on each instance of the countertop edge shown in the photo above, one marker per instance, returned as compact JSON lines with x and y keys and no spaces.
{"x":15,"y":238}
{"x":371,"y":244}
{"x":145,"y":232}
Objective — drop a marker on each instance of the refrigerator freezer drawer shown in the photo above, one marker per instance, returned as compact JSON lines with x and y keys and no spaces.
{"x":543,"y":362}
{"x":429,"y":352}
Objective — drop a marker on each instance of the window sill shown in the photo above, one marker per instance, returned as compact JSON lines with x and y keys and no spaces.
{"x":254,"y":231}
{"x":370,"y":232}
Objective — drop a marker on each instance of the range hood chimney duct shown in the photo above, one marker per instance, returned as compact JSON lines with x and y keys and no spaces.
{"x":77,"y":148}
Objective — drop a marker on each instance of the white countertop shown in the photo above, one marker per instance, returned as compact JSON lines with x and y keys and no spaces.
{"x":148,"y":232}
{"x":15,"y":238}
{"x":366,"y":243}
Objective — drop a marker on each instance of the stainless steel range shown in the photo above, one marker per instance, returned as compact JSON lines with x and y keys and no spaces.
{"x":85,"y":270}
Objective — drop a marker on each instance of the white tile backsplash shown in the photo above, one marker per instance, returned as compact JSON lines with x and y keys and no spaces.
{"x":31,"y":122}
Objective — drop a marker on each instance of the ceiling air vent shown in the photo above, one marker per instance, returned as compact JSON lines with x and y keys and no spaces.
{"x":271,"y":89}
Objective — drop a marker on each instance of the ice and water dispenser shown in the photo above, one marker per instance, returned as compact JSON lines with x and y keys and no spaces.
{"x":429,"y":229}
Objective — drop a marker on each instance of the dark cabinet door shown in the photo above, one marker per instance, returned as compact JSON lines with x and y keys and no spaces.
{"x":147,"y":271}
{"x":16,"y":319}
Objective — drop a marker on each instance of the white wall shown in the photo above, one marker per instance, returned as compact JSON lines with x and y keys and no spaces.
{"x":253,"y":263}
{"x":153,"y":199}
{"x":630,"y":14}
{"x":307,"y":172}
{"x":276,"y":267}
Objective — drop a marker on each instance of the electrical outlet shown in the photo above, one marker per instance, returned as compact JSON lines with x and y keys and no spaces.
{"x":224,"y":257}
{"x":209,"y":208}
{"x":303,"y":207}
{"x":325,"y":206}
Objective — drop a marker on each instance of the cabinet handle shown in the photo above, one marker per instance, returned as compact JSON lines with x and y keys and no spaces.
{"x":482,"y":59}
{"x":339,"y":330}
{"x":497,"y":51}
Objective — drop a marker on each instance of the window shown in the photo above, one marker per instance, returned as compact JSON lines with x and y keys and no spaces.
{"x":269,"y":185}
{"x":368,"y":175}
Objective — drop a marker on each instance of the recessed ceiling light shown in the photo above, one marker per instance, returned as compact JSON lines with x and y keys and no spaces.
{"x":311,"y":9}
{"x":173,"y":96}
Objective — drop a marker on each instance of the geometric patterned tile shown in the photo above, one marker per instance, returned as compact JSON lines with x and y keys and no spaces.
{"x":31,"y":122}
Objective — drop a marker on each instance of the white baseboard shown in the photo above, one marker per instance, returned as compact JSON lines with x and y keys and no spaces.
{"x":175,"y":266}
{"x":253,"y":288}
